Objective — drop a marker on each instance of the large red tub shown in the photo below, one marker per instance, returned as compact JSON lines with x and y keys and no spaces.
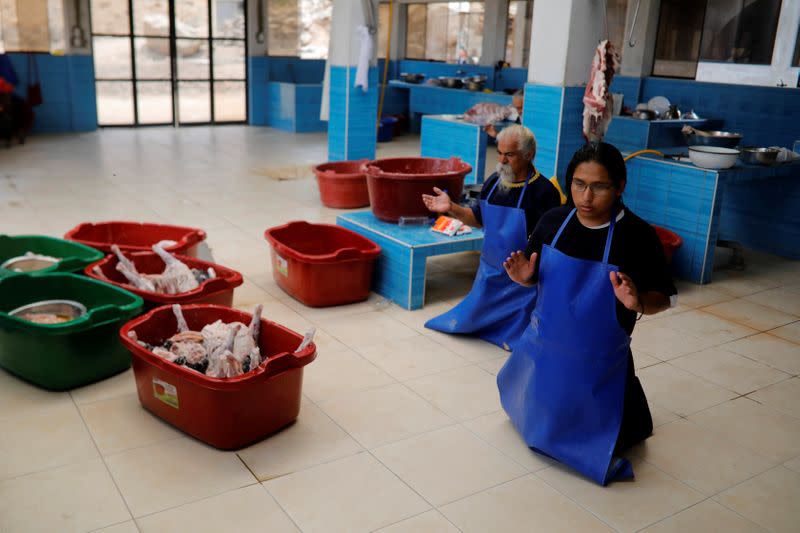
{"x":396,"y":185}
{"x":217,"y":290}
{"x":342,"y":184}
{"x":227,"y":413}
{"x":136,"y":236}
{"x":322,"y":265}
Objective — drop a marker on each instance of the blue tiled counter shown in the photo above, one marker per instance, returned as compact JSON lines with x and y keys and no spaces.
{"x":757,"y":206}
{"x":428,"y":100}
{"x":628,"y":133}
{"x":399,"y":273}
{"x":447,"y":136}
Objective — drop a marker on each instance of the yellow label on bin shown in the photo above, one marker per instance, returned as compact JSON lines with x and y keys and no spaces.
{"x":283,"y":265}
{"x":165,"y":392}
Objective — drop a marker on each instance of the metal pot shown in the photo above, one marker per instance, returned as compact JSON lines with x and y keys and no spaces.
{"x":645,"y":114}
{"x":411,"y":77}
{"x":29,"y":263}
{"x":722,"y":139}
{"x":673,"y":113}
{"x":473,"y":85}
{"x":451,"y":83}
{"x":759,"y":156}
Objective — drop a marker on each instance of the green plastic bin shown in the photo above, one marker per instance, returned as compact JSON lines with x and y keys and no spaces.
{"x":74,"y":256}
{"x":72,"y":354}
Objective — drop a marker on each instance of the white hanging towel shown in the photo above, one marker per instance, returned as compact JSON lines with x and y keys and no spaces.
{"x":367,"y":42}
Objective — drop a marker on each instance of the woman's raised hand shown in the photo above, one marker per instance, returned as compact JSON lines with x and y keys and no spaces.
{"x":519,"y":268}
{"x":438,"y":204}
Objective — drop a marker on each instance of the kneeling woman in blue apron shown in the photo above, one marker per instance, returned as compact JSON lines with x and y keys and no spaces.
{"x":512,"y":201}
{"x":569,"y":386}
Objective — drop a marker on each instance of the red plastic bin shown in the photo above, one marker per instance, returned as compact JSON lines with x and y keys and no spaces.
{"x":218,"y":290}
{"x":671,"y":241}
{"x":322,"y":264}
{"x":136,"y":236}
{"x":226,"y":413}
{"x":342,"y":184}
{"x":396,"y":185}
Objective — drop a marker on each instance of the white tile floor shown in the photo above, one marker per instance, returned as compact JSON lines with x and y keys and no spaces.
{"x":401,"y":428}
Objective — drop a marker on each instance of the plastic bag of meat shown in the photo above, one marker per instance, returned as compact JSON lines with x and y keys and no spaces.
{"x":598,"y":104}
{"x":485,"y":113}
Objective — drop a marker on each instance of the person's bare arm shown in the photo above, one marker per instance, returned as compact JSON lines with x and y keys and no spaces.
{"x":441,"y":203}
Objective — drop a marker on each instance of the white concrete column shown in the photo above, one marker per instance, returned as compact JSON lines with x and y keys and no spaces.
{"x":254,"y":47}
{"x":637,"y":60}
{"x":70,"y":21}
{"x":352,"y":111}
{"x":495,"y":23}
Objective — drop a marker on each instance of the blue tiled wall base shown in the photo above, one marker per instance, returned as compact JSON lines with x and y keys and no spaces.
{"x":630,"y":134}
{"x":400,"y":270}
{"x":555,"y":115}
{"x":294,"y":69}
{"x":630,"y":87}
{"x":294,"y":107}
{"x":683,"y":199}
{"x":353,"y":112}
{"x":764,"y":215}
{"x":70,"y":103}
{"x":447,"y":138}
{"x":541,"y":112}
{"x":258,"y":76}
{"x":571,"y":133}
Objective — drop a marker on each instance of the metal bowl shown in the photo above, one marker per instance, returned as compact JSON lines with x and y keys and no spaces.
{"x":29,"y":263}
{"x":411,"y":77}
{"x":451,"y":83}
{"x":721,"y":139}
{"x":645,"y":114}
{"x":759,"y":156}
{"x":713,"y":157}
{"x":63,"y":310}
{"x":473,"y":85}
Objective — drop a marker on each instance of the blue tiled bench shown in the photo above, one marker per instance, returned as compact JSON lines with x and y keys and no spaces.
{"x":400,"y":270}
{"x":446,"y":136}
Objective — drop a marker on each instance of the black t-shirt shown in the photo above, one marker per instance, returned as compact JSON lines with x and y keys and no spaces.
{"x":540,"y":196}
{"x":635,"y":249}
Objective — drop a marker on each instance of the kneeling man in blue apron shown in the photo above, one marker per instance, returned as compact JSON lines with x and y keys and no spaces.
{"x":569,"y":386}
{"x":512,"y":201}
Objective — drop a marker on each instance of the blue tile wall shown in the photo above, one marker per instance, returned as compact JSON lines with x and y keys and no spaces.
{"x":448,"y":138}
{"x":67,"y":90}
{"x":258,"y":76}
{"x":629,"y":86}
{"x":295,"y":69}
{"x":510,"y":78}
{"x":766,"y":116}
{"x":765,"y":215}
{"x":571,"y":135}
{"x":352,"y":128}
{"x":541,"y":112}
{"x":395,"y":101}
{"x":684,"y":199}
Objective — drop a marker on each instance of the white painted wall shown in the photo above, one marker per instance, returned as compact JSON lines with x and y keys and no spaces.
{"x":770,"y":75}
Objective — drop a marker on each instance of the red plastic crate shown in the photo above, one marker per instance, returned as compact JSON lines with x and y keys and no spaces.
{"x":322,"y":264}
{"x":226,"y":413}
{"x":218,"y":290}
{"x":136,"y":236}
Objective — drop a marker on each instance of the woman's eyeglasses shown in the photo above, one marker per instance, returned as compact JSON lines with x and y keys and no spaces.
{"x":597,"y":188}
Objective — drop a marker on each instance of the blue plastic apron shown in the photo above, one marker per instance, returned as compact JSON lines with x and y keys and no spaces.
{"x":496,"y":309}
{"x":564,"y":385}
